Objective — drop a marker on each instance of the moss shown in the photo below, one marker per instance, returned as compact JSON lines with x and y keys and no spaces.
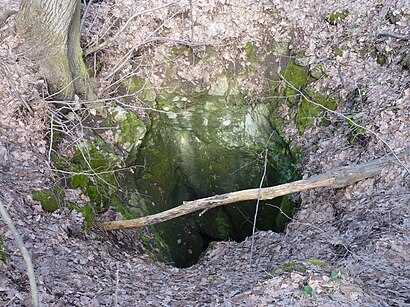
{"x":381,"y":58}
{"x":291,"y":267}
{"x":160,"y":242}
{"x":297,"y":154}
{"x":299,"y":77}
{"x":318,"y":72}
{"x":126,"y":212}
{"x":251,"y":53}
{"x":88,"y":214}
{"x":143,"y":89}
{"x":307,"y":112}
{"x":3,"y":255}
{"x":79,"y":180}
{"x":338,"y":17}
{"x":131,"y":129}
{"x":93,"y":165}
{"x":50,"y":200}
{"x":318,"y":262}
{"x":223,"y":226}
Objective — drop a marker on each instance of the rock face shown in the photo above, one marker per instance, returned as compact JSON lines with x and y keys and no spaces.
{"x":206,"y":145}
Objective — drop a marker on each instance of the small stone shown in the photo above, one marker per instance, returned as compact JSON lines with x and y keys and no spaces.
{"x":303,"y":61}
{"x":220,"y":87}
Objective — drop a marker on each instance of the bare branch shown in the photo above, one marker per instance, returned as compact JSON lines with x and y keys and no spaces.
{"x":349,"y":120}
{"x":116,"y":35}
{"x":398,"y":37}
{"x":257,"y":204}
{"x":12,"y":86}
{"x":4,"y":15}
{"x":85,"y":14}
{"x":31,"y":276}
{"x":337,"y":178}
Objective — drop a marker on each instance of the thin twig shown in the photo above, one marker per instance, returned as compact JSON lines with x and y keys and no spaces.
{"x":399,"y":37}
{"x":257,"y":205}
{"x":50,"y":149}
{"x":12,"y":86}
{"x":116,"y":35}
{"x":349,"y":120}
{"x":90,"y":2}
{"x":136,"y":46}
{"x":191,"y":14}
{"x":5,"y":15}
{"x":30,"y":271}
{"x":11,"y":300}
{"x":117,"y":283}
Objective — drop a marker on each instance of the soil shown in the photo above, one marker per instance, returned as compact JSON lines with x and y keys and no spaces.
{"x":344,"y":247}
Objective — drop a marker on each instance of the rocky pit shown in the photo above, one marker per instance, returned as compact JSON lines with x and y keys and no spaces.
{"x":163,"y":78}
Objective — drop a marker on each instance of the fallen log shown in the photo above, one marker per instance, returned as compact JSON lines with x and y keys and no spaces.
{"x":336,"y":178}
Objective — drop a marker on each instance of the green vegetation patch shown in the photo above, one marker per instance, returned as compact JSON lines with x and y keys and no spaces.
{"x":92,"y":169}
{"x":88,"y":214}
{"x":131,"y":129}
{"x":143,"y":89}
{"x":291,"y":266}
{"x":308,"y":292}
{"x":251,"y":52}
{"x":318,"y":262}
{"x":3,"y":256}
{"x":308,"y":111}
{"x":50,"y":200}
{"x":338,"y":17}
{"x":298,"y":78}
{"x":102,"y":183}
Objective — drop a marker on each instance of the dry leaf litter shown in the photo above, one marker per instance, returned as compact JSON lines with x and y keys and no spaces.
{"x":360,"y":232}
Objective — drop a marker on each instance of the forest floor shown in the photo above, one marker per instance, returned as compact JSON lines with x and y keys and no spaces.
{"x":344,"y":247}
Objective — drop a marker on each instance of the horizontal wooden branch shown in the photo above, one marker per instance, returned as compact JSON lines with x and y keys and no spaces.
{"x":336,"y":178}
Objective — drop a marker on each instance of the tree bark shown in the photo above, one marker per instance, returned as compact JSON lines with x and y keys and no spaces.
{"x":51,"y":33}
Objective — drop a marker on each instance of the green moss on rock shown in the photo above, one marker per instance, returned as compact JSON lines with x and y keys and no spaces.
{"x":251,"y":52}
{"x":3,"y":256}
{"x":318,"y":262}
{"x":143,"y":89}
{"x":50,"y":200}
{"x":307,"y":111}
{"x":131,"y":129}
{"x":299,"y":77}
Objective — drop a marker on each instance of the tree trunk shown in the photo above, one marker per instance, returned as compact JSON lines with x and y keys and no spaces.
{"x":51,"y":33}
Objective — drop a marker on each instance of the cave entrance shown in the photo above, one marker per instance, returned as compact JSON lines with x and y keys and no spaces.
{"x":212,"y":145}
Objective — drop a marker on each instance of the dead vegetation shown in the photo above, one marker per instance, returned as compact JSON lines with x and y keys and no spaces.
{"x":344,"y":247}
